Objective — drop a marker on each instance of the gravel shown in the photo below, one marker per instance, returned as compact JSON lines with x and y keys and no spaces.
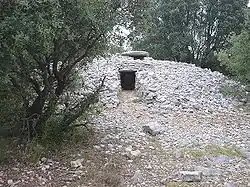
{"x":200,"y":127}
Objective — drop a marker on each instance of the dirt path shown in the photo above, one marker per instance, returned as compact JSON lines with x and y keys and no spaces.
{"x":121,"y":153}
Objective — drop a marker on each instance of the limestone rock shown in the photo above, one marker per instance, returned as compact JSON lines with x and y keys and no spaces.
{"x":129,"y":149}
{"x":135,"y":153}
{"x":229,"y":185}
{"x":10,"y":182}
{"x":153,"y":128}
{"x":191,"y":176}
{"x":207,"y":171}
{"x":136,"y":54}
{"x":77,"y":163}
{"x":43,"y":159}
{"x":131,"y":154}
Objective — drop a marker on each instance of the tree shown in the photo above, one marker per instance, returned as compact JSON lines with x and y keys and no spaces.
{"x":237,"y":57}
{"x":192,"y":31}
{"x":42,"y":44}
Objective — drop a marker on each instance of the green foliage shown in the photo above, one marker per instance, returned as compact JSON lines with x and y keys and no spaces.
{"x":191,"y":31}
{"x":236,"y":91}
{"x":237,"y":57}
{"x":10,"y":106}
{"x":139,"y":17}
{"x":4,"y":149}
{"x":43,"y":44}
{"x":34,"y":151}
{"x":53,"y":136}
{"x":248,"y":19}
{"x":81,"y":135}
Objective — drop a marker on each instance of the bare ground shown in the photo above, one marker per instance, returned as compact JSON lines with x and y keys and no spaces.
{"x":218,"y":144}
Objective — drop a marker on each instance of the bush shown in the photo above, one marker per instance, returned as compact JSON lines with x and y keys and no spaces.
{"x":237,"y":57}
{"x":43,"y":46}
{"x":4,"y":149}
{"x":34,"y":151}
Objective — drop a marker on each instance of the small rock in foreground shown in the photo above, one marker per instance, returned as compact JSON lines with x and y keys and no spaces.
{"x":135,"y":153}
{"x":191,"y":176}
{"x":77,"y":163}
{"x":152,"y":128}
{"x":10,"y":182}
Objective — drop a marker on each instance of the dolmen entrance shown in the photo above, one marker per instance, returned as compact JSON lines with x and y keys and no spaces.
{"x":127,"y":76}
{"x":127,"y":79}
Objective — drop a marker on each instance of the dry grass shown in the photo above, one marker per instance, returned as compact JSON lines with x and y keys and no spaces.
{"x":101,"y":170}
{"x":180,"y":184}
{"x":214,"y":150}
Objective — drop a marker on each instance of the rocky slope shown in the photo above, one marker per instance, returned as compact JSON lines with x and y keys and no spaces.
{"x":177,"y":119}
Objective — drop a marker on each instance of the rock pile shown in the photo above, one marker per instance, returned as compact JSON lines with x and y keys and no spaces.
{"x":176,"y":127}
{"x":164,"y":85}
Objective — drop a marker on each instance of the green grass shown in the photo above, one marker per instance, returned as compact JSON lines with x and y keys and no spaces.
{"x":214,"y":150}
{"x":239,"y":94}
{"x":235,"y":91}
{"x":180,"y":184}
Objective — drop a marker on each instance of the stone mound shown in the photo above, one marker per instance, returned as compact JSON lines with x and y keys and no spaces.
{"x":163,"y":85}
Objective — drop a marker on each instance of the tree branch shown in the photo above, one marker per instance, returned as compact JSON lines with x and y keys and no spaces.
{"x":24,"y":73}
{"x":76,"y":60}
{"x":83,"y":106}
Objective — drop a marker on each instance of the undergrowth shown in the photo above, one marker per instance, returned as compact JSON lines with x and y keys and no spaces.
{"x":237,"y":91}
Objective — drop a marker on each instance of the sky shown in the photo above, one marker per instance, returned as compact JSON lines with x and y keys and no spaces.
{"x":249,"y":4}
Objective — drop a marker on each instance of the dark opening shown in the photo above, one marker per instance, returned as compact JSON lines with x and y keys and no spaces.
{"x":139,"y":57}
{"x":127,"y":79}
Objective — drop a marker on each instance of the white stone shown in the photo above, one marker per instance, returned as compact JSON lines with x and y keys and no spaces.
{"x":110,"y":146}
{"x":129,"y":149}
{"x":97,"y":147}
{"x":77,"y":163}
{"x":135,"y":153}
{"x":191,"y":176}
{"x":151,"y":147}
{"x":153,"y":128}
{"x":43,"y":159}
{"x":10,"y":182}
{"x":149,"y":167}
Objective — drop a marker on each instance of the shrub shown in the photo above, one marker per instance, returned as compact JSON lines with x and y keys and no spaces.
{"x":237,"y":57}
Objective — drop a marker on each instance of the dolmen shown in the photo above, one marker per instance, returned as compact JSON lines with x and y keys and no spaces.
{"x":136,"y":54}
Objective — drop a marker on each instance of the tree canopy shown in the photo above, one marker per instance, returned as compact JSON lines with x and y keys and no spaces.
{"x":191,"y":31}
{"x":237,"y":57}
{"x":43,"y":42}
